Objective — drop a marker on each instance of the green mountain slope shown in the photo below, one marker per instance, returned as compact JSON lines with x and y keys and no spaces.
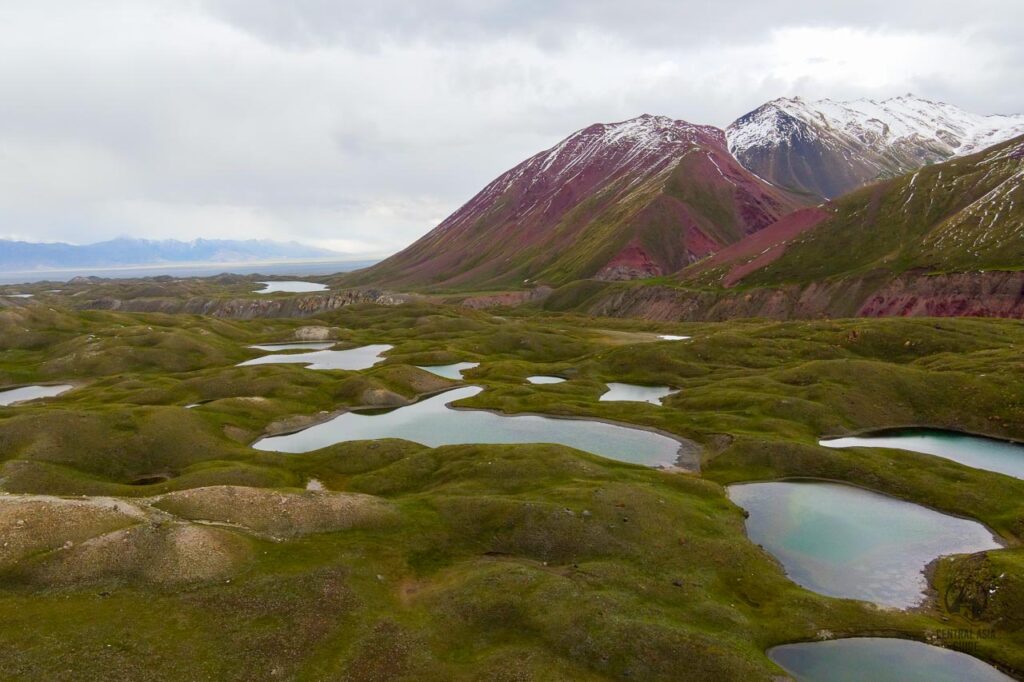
{"x":962,"y":215}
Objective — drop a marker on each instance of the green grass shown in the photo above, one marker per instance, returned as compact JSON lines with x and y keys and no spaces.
{"x":505,"y":562}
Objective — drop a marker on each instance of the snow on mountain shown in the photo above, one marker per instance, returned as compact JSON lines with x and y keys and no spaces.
{"x":645,"y":145}
{"x":622,"y":200}
{"x":828,"y":147}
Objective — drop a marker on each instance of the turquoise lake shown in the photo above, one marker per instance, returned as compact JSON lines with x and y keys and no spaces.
{"x":974,"y":451}
{"x":843,"y":541}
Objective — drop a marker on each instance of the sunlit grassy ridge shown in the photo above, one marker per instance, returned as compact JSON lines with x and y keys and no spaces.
{"x":962,"y":215}
{"x":499,"y":562}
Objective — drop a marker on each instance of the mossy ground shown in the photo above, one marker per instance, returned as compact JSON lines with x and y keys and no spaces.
{"x":503,"y":562}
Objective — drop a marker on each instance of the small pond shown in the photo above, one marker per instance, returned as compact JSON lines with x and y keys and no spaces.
{"x":298,"y":345}
{"x":351,"y":359}
{"x":453,"y":371}
{"x":635,"y":393}
{"x":543,"y":379}
{"x":876,"y":659}
{"x":979,"y":452}
{"x":290,"y":287}
{"x":843,"y":541}
{"x":432,"y":423}
{"x":15,"y":395}
{"x":672,"y":337}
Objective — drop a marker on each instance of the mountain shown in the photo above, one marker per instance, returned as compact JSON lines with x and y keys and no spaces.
{"x":17,"y":255}
{"x":638,"y":198}
{"x":828,"y":148}
{"x":963,"y":215}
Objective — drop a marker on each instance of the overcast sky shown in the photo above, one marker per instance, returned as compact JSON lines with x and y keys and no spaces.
{"x":359,"y":125}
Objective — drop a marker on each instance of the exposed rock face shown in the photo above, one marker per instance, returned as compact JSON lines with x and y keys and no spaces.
{"x":989,"y":294}
{"x":828,"y":148}
{"x":621,"y":200}
{"x":509,"y":298}
{"x":250,"y":308}
{"x":315,"y":333}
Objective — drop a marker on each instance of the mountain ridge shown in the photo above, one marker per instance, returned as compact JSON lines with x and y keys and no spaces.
{"x":827,"y":148}
{"x":126,"y":251}
{"x":636,"y":198}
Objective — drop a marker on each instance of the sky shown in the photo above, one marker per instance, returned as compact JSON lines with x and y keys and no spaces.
{"x":358,"y":126}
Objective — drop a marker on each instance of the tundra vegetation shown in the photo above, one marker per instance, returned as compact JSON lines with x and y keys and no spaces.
{"x":145,"y":540}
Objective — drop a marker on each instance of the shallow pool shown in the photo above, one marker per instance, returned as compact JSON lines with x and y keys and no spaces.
{"x":453,"y":371}
{"x":636,"y":393}
{"x":431,"y":422}
{"x":290,"y":287}
{"x":876,"y":659}
{"x":974,"y":451}
{"x":308,"y":345}
{"x":15,"y":395}
{"x":351,"y":359}
{"x":844,"y":541}
{"x":543,"y":379}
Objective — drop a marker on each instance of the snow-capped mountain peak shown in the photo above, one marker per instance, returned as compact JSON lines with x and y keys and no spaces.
{"x":842,"y":144}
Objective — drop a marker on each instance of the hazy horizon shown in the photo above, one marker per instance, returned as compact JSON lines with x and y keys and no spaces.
{"x":358,"y":128}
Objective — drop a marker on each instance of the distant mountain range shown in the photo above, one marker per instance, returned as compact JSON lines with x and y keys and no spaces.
{"x":23,"y":256}
{"x":829,"y":148}
{"x":651,"y":196}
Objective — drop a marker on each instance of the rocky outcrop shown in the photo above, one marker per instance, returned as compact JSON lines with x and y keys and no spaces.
{"x":250,"y":308}
{"x":508,"y":298}
{"x":316,"y":333}
{"x":979,"y":294}
{"x":989,"y":294}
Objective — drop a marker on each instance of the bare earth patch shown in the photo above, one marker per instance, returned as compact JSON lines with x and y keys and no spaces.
{"x":278,"y":513}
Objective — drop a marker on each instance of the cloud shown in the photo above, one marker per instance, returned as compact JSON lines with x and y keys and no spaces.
{"x":363,"y":124}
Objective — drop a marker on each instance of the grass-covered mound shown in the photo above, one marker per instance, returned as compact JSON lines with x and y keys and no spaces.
{"x":468,"y":562}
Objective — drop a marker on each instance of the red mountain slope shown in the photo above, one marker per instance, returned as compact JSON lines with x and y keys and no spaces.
{"x":639,"y":198}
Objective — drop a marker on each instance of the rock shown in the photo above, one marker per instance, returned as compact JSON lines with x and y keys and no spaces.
{"x":315,"y":333}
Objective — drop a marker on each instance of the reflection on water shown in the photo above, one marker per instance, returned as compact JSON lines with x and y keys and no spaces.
{"x":874,"y":659}
{"x":16,"y":395}
{"x":290,"y":287}
{"x":847,"y":542}
{"x":635,"y":393}
{"x":542,"y":379}
{"x":974,"y":451}
{"x":453,"y":371}
{"x":308,"y":345}
{"x":431,"y":422}
{"x":351,"y":359}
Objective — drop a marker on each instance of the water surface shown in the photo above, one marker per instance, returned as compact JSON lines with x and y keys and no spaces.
{"x":351,"y":359}
{"x":432,"y":423}
{"x":15,"y":395}
{"x":672,"y":337}
{"x":543,"y":379}
{"x":990,"y":454}
{"x":453,"y":371}
{"x":635,"y":393}
{"x":309,"y":345}
{"x":843,"y":541}
{"x":290,"y":287}
{"x":876,"y":659}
